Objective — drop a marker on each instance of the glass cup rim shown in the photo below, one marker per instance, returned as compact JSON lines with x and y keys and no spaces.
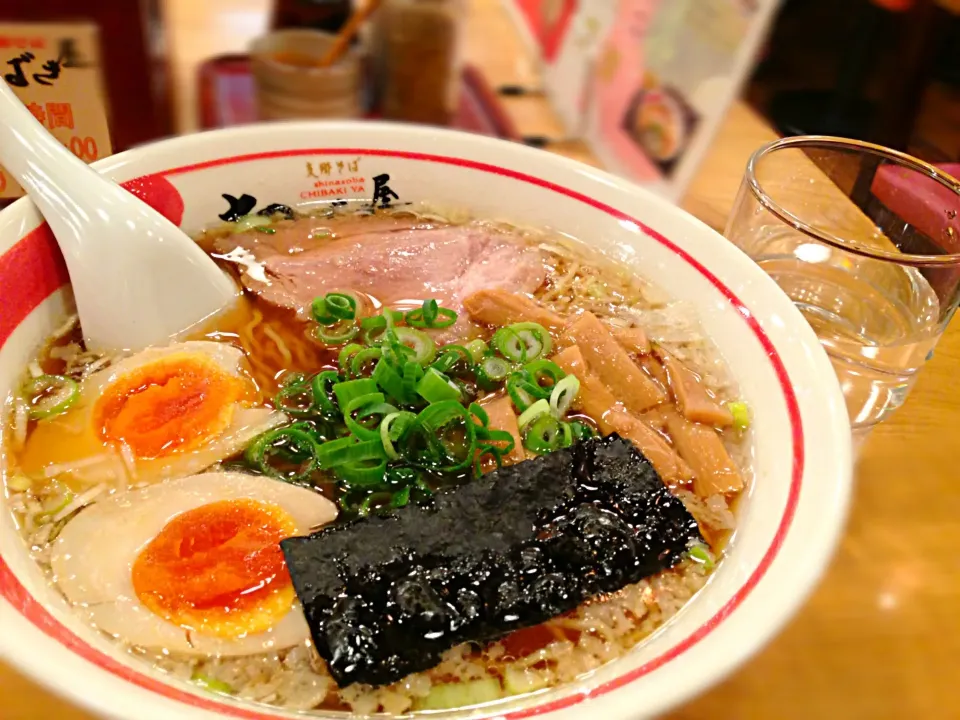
{"x":830,"y":142}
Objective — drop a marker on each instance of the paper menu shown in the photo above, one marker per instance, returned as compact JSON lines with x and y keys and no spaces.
{"x":54,"y":69}
{"x":654,"y":119}
{"x":543,"y":23}
{"x":568,"y":71}
{"x":646,"y":82}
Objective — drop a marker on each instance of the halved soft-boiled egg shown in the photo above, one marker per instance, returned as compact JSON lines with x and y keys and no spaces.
{"x":191,"y":565}
{"x":162,"y":413}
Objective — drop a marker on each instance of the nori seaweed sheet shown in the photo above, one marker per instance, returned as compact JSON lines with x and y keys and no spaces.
{"x":387,"y":596}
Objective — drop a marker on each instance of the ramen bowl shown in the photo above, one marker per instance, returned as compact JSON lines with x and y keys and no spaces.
{"x":798,"y":440}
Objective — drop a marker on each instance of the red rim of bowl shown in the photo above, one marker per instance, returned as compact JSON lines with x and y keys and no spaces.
{"x":37,"y":252}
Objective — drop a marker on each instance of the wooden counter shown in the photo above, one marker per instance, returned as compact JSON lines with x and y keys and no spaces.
{"x":880,"y":638}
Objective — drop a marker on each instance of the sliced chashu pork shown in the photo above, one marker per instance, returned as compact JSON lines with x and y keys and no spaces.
{"x":397,"y":261}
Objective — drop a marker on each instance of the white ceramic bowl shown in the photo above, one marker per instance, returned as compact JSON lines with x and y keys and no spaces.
{"x":789,"y":520}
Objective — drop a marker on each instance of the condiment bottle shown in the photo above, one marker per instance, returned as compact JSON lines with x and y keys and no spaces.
{"x":290,"y":82}
{"x":326,"y":15}
{"x":417,"y":45}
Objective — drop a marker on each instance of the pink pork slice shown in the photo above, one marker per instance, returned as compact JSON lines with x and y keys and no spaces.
{"x":398,"y":261}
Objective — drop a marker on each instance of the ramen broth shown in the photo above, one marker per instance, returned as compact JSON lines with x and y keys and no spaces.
{"x":277,"y":344}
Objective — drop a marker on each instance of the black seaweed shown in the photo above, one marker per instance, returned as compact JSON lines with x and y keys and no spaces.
{"x":278,"y":209}
{"x":387,"y":596}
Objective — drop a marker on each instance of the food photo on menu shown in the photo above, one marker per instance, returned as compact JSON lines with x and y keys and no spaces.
{"x":661,"y":123}
{"x":478,"y":359}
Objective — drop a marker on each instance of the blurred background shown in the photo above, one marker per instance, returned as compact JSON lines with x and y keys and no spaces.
{"x":676,"y":95}
{"x":881,"y":70}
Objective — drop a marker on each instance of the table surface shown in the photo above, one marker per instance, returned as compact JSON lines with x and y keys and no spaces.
{"x":880,"y":637}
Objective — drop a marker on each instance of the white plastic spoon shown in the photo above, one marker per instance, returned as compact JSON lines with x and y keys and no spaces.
{"x":137,"y":278}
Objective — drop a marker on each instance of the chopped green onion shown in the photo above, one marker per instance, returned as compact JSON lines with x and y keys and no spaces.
{"x":448,"y":359}
{"x":423,"y":487}
{"x":445,"y":362}
{"x":445,"y":318}
{"x":332,"y":307}
{"x":431,"y":315}
{"x":346,"y":450}
{"x":400,"y":476}
{"x":295,"y":399}
{"x":395,"y":352}
{"x":544,"y":370}
{"x":390,"y":381}
{"x":322,"y":385}
{"x":563,"y":395}
{"x":545,"y":434}
{"x":211,"y":684}
{"x":374,"y":332}
{"x":347,"y":391}
{"x":346,"y":354}
{"x":343,"y":331}
{"x":401,"y":498}
{"x":320,"y":312}
{"x":363,"y":407}
{"x":700,"y":554}
{"x":377,"y":497}
{"x":581,"y":431}
{"x":454,"y":357}
{"x":480,"y":414}
{"x":50,"y":395}
{"x":522,"y":342}
{"x":424,"y":349}
{"x":491,"y":371}
{"x":430,"y":310}
{"x":477,"y":349}
{"x":375,"y":328}
{"x":412,"y":374}
{"x":501,"y":436}
{"x":523,"y":391}
{"x":53,"y":506}
{"x":436,"y":387}
{"x":392,"y":428}
{"x":438,"y":415}
{"x":249,"y":222}
{"x":266,"y":230}
{"x":335,"y":452}
{"x":364,"y":362}
{"x":443,"y":696}
{"x":19,"y":483}
{"x":533,"y":412}
{"x":362,"y":473}
{"x":292,"y":446}
{"x":484,"y":449}
{"x":741,"y":415}
{"x":468,"y":391}
{"x":392,"y":317}
{"x":432,"y":422}
{"x":341,"y":306}
{"x":293,"y":378}
{"x":374,"y":322}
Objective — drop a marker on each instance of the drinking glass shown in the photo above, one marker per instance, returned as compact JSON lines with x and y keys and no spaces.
{"x":866,"y":242}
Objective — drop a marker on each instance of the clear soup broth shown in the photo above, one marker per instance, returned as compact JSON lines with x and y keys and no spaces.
{"x":88,"y":429}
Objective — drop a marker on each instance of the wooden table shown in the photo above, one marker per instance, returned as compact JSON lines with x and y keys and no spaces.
{"x":880,"y":638}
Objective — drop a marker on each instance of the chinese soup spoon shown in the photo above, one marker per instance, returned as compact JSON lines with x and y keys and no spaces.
{"x":138,"y":280}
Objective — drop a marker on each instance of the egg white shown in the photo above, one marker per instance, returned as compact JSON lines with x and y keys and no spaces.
{"x":93,"y":558}
{"x":70,"y":446}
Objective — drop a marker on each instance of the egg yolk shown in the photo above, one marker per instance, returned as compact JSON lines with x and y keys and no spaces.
{"x":174,"y":403}
{"x":218,"y":569}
